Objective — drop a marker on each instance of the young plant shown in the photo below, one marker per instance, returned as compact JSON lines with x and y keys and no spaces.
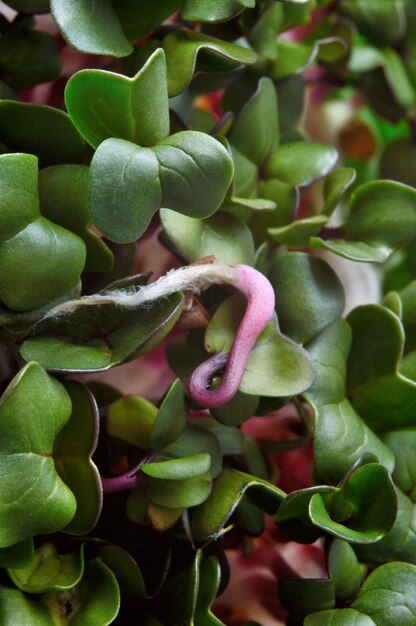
{"x":249,"y":458}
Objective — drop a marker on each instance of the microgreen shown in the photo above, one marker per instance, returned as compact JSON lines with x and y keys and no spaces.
{"x":193,"y":416}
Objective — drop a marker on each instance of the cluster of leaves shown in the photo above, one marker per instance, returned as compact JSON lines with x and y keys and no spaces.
{"x":117,"y":510}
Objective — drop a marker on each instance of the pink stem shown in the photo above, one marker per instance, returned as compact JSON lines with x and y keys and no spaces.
{"x":129,"y":480}
{"x":260,"y":308}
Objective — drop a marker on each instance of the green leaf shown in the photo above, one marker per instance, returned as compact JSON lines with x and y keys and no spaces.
{"x":125,"y":189}
{"x":387,"y":595}
{"x":28,"y":57}
{"x":237,"y":410}
{"x":227,"y":492}
{"x":301,"y":596}
{"x":293,"y":516}
{"x":329,"y":350}
{"x":139,"y":19}
{"x":33,"y":409}
{"x":215,"y":11}
{"x":383,"y":23}
{"x":398,"y":161}
{"x":362,"y":510}
{"x":18,"y":555}
{"x":402,"y":443}
{"x":263,"y":35}
{"x":63,"y":195}
{"x":301,"y":163}
{"x":255,"y":132}
{"x":382,"y":219}
{"x":296,"y":235}
{"x":42,"y":130}
{"x":131,"y":418}
{"x":339,"y":617}
{"x":222,"y":234}
{"x":49,"y":571}
{"x":341,"y":437}
{"x":378,"y":391}
{"x":308,"y":305}
{"x":183,"y":49}
{"x":125,"y":568}
{"x":344,"y":569}
{"x":15,"y":605}
{"x":104,"y":105}
{"x":91,"y":28}
{"x":335,"y":186}
{"x":178,"y":494}
{"x":292,"y":58}
{"x":277,"y":366}
{"x":179,"y":469}
{"x":44,"y":259}
{"x":189,"y":162}
{"x":209,"y":582}
{"x":98,"y":338}
{"x":73,"y":449}
{"x":30,"y":6}
{"x":94,"y":601}
{"x":400,"y":542}
{"x":197,"y":439}
{"x":171,"y":418}
{"x":129,"y":184}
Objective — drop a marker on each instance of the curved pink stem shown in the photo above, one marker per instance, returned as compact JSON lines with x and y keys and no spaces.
{"x":129,"y":480}
{"x":260,"y":308}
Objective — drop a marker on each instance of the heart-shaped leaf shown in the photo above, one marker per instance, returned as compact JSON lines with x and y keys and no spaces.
{"x":129,"y":184}
{"x":382,"y":219}
{"x":91,"y":28}
{"x":49,"y":571}
{"x":227,"y":492}
{"x":222,"y":234}
{"x":104,"y":105}
{"x":33,"y":410}
{"x":72,"y":452}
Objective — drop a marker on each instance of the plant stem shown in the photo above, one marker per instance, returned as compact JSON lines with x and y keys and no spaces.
{"x":129,"y":480}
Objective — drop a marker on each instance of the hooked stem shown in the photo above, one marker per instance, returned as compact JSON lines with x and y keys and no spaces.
{"x":129,"y":480}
